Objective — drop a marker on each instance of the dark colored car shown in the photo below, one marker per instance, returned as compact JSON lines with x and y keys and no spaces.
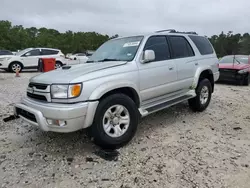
{"x":235,"y":68}
{"x":5,"y":52}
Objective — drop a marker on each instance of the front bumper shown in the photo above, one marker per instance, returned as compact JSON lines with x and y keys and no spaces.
{"x":77,"y":116}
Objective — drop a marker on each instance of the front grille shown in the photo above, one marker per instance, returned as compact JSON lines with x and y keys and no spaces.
{"x":26,"y":114}
{"x":38,"y":86}
{"x":35,"y":96}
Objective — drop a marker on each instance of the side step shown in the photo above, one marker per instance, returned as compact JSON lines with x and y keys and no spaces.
{"x":150,"y":110}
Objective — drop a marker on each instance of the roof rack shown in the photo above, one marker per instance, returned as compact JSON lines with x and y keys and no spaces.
{"x":170,"y":31}
{"x":174,"y":31}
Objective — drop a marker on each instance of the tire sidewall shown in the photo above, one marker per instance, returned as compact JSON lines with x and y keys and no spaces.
{"x":11,"y":64}
{"x":58,"y":63}
{"x":204,"y":82}
{"x":100,"y":136}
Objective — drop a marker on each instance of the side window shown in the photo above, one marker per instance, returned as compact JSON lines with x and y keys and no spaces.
{"x":49,"y":52}
{"x":203,"y":44}
{"x":33,"y":53}
{"x":180,"y":46}
{"x":160,"y":46}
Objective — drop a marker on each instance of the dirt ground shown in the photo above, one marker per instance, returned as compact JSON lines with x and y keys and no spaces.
{"x":173,"y":148}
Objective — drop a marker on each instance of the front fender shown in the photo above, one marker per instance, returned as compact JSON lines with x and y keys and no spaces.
{"x":198,"y":73}
{"x":109,"y":86}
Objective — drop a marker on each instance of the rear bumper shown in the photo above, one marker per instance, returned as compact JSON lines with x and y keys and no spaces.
{"x":77,"y":116}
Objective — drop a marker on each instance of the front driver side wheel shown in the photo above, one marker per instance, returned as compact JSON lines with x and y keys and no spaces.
{"x":115,"y":121}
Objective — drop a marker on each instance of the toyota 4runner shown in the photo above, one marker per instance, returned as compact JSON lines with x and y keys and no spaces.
{"x":125,"y":79}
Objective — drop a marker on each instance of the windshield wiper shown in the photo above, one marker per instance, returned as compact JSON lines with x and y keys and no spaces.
{"x":107,"y":59}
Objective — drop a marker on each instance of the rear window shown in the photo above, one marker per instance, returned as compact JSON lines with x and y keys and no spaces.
{"x":203,"y":44}
{"x":49,"y":52}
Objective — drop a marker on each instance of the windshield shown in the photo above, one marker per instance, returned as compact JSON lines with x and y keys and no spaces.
{"x":123,"y":49}
{"x":23,"y":51}
{"x":236,"y":59}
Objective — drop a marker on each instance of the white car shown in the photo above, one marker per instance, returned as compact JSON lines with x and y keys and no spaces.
{"x":28,"y":59}
{"x":81,"y":57}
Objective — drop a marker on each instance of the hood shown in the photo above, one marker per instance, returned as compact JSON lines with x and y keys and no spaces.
{"x":234,"y":66}
{"x":68,"y":73}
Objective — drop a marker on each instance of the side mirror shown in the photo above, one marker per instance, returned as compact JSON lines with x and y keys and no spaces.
{"x":149,"y":55}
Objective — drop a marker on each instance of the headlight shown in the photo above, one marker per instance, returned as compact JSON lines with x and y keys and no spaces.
{"x":243,"y":71}
{"x":65,"y":91}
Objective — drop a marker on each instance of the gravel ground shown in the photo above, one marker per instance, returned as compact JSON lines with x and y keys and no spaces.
{"x":173,"y":148}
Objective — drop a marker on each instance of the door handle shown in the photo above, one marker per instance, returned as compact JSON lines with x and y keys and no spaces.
{"x":171,"y":68}
{"x":196,"y":63}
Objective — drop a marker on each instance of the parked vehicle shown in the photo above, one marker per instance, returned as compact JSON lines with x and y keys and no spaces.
{"x":28,"y":59}
{"x":125,"y":79}
{"x":235,"y":68}
{"x":81,"y":57}
{"x":5,"y":53}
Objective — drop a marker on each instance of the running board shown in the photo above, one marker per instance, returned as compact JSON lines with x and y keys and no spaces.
{"x":150,"y":110}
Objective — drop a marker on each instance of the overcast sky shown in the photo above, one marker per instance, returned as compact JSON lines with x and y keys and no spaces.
{"x":126,"y":17}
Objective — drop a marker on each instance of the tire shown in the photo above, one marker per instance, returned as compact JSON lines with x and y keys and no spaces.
{"x":15,"y":66}
{"x":58,"y":65}
{"x":199,"y":104}
{"x":106,"y":110}
{"x":246,"y":80}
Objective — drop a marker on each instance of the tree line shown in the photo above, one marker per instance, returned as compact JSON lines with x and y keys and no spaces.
{"x":16,"y":37}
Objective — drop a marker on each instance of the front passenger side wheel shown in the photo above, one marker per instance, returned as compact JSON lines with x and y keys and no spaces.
{"x":203,"y":96}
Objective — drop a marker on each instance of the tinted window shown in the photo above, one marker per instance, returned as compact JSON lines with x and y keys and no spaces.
{"x":49,"y":52}
{"x":160,"y":46}
{"x":203,"y":44}
{"x":33,"y":53}
{"x":5,"y":52}
{"x":180,"y":46}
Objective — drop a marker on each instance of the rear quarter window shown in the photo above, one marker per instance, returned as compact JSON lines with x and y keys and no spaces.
{"x":203,"y":44}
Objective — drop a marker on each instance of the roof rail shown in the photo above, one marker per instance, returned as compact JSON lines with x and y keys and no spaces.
{"x":174,"y":31}
{"x":170,"y":31}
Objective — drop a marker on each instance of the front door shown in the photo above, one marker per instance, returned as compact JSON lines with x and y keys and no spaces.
{"x":30,"y":59}
{"x":157,"y":78}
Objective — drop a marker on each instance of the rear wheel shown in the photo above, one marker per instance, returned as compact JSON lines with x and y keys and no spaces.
{"x":203,"y":96}
{"x":115,"y":121}
{"x":58,"y":65}
{"x":15,"y":66}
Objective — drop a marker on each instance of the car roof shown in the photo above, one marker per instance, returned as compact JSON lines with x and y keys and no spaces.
{"x":45,"y":48}
{"x":161,"y":33}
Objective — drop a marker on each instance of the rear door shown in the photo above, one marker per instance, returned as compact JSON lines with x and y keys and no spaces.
{"x":157,"y":78}
{"x":184,"y":58}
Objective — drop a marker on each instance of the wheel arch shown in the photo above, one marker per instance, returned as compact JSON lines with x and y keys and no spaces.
{"x":111,"y":88}
{"x":204,"y":73}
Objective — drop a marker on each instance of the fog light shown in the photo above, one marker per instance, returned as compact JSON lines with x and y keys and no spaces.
{"x":60,"y":123}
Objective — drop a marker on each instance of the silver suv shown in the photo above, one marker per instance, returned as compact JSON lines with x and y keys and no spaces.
{"x":125,"y":79}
